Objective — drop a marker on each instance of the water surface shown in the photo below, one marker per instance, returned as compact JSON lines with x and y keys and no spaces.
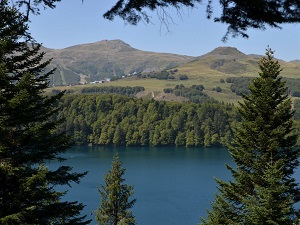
{"x":173,"y":186}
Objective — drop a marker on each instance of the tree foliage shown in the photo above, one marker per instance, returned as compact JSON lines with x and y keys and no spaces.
{"x":119,"y":120}
{"x":240,"y":85}
{"x":127,"y":91}
{"x":33,"y":6}
{"x":193,"y":93}
{"x":115,"y":198}
{"x":27,"y":137}
{"x":263,"y":189}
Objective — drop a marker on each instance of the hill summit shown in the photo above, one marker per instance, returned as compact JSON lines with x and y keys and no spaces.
{"x":114,"y":58}
{"x":104,"y":45}
{"x":226,"y":51}
{"x":106,"y":59}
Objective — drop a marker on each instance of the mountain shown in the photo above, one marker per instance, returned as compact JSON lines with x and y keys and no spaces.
{"x":106,"y":59}
{"x":229,"y":61}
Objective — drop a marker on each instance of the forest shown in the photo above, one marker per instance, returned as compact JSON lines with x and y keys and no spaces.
{"x":127,"y":91}
{"x":118,"y":120}
{"x":110,"y":119}
{"x":193,"y":93}
{"x":240,"y":85}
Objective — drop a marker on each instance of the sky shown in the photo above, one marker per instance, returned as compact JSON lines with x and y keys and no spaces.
{"x":73,"y":22}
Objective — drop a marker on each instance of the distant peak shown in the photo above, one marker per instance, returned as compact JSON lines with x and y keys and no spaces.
{"x":113,"y":42}
{"x":226,"y":51}
{"x":104,"y":45}
{"x":295,"y":61}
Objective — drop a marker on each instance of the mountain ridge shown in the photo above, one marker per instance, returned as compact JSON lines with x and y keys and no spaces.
{"x":83,"y":63}
{"x":106,"y":59}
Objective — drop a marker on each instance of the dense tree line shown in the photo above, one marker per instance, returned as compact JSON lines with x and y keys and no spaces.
{"x":162,"y":75}
{"x":193,"y":93}
{"x":119,"y":120}
{"x":240,"y":85}
{"x":127,"y":91}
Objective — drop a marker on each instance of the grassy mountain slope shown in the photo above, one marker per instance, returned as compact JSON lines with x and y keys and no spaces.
{"x":224,"y":62}
{"x":208,"y":70}
{"x":106,"y":59}
{"x":228,"y":61}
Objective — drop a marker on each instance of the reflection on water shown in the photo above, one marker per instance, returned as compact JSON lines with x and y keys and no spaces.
{"x":172,"y":185}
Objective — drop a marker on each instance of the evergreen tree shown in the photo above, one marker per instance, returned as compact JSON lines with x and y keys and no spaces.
{"x":263,"y":190}
{"x":27,"y":137}
{"x":115,"y":203}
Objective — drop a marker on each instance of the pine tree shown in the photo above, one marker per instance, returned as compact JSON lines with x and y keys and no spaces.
{"x":27,"y":137}
{"x":115,"y":203}
{"x":263,"y":190}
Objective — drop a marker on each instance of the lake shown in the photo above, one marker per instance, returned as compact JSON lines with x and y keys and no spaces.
{"x":172,"y":185}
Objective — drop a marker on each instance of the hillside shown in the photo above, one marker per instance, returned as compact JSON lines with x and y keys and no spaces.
{"x":228,"y":61}
{"x":106,"y":59}
{"x":111,"y":58}
{"x":224,"y":62}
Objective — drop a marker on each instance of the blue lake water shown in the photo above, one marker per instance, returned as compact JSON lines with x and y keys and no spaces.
{"x":172,"y":185}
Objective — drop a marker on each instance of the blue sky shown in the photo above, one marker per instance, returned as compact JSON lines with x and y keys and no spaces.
{"x":73,"y":22}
